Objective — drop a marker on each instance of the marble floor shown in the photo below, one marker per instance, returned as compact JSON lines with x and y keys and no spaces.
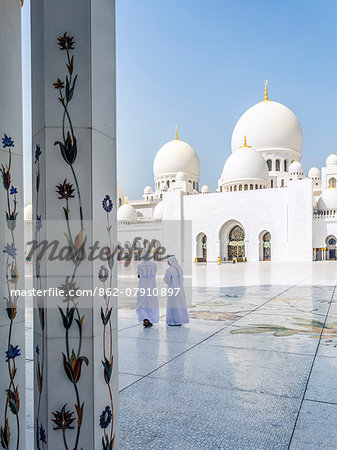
{"x":255,"y":369}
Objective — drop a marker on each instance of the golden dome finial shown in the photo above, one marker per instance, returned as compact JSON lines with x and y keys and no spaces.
{"x":245,"y":143}
{"x":126,"y":201}
{"x":176,"y":132}
{"x":266,"y":91}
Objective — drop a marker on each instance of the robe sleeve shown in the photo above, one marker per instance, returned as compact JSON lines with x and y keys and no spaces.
{"x":168,"y":276}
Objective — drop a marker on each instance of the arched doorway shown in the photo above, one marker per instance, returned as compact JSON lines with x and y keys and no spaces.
{"x":201,"y":252}
{"x":236,"y":244}
{"x":331,"y":243}
{"x":232,"y":237}
{"x":265,"y":246}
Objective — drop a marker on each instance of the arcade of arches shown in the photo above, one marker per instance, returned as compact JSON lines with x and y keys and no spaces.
{"x":327,"y":253}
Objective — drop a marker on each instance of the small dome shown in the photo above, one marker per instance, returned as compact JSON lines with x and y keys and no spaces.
{"x":158,"y":211}
{"x":245,"y":164}
{"x":28,"y":212}
{"x":180,"y":176}
{"x":331,"y":160}
{"x":148,"y":190}
{"x":314,"y":172}
{"x":175,"y":156}
{"x":205,"y":189}
{"x":127,"y":213}
{"x":328,"y":200}
{"x":295,"y":167}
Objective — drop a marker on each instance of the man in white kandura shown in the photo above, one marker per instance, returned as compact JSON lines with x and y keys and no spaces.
{"x":176,"y":311}
{"x":147,"y":303}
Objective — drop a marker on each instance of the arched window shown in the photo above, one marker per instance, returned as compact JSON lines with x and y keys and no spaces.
{"x":332,"y":182}
{"x":271,"y":183}
{"x":256,"y":186}
{"x":251,"y":187}
{"x":269,"y":164}
{"x":285,"y":165}
{"x":240,"y":187}
{"x":282,"y":183}
{"x":168,"y":183}
{"x":277,"y":165}
{"x":231,"y":188}
{"x":246,"y":187}
{"x":220,"y":188}
{"x":235,"y":188}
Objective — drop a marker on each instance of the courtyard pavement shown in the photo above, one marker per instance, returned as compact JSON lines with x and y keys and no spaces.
{"x":255,"y":369}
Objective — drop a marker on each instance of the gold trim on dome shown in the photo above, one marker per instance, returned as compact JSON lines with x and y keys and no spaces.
{"x":245,"y":143}
{"x":266,"y":99}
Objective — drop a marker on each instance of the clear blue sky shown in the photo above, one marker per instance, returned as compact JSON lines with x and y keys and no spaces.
{"x":200,"y":64}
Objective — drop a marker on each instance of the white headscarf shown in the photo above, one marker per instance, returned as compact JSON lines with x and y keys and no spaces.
{"x":174,"y":263}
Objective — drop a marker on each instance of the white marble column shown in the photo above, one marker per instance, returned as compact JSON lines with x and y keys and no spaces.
{"x":74,"y":183}
{"x":12,"y":325}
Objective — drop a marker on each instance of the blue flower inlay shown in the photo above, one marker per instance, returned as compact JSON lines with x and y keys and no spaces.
{"x":107,"y":203}
{"x":10,"y":250}
{"x":13,"y":352}
{"x":37,"y":153}
{"x":105,"y":418}
{"x":7,"y":141}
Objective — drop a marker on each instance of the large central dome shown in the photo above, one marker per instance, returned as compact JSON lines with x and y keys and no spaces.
{"x":269,"y":126}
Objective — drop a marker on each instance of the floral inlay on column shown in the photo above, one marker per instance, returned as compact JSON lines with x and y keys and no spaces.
{"x":12,"y":403}
{"x":105,"y":276}
{"x":65,"y":419}
{"x":40,"y":353}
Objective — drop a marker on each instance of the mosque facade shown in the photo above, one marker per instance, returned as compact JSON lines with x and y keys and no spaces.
{"x":264,"y":209}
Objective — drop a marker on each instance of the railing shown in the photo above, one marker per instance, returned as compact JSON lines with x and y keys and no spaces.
{"x":141,"y":223}
{"x":327,"y":215}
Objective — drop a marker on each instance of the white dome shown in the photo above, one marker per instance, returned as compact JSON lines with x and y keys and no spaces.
{"x":158,"y":211}
{"x":205,"y":189}
{"x":243,"y":165}
{"x":28,"y":212}
{"x":295,"y":167}
{"x":127,"y":213}
{"x":176,"y":156}
{"x":328,"y":200}
{"x":269,"y":126}
{"x":331,"y":160}
{"x":314,"y":172}
{"x":148,"y":190}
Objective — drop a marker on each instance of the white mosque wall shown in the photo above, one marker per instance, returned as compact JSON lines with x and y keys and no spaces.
{"x":148,"y":230}
{"x":329,"y":176}
{"x":300,"y":220}
{"x":285,"y":213}
{"x":324,"y":226}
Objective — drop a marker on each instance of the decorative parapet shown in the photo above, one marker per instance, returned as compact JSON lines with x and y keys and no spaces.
{"x":154,"y":224}
{"x":326,"y":215}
